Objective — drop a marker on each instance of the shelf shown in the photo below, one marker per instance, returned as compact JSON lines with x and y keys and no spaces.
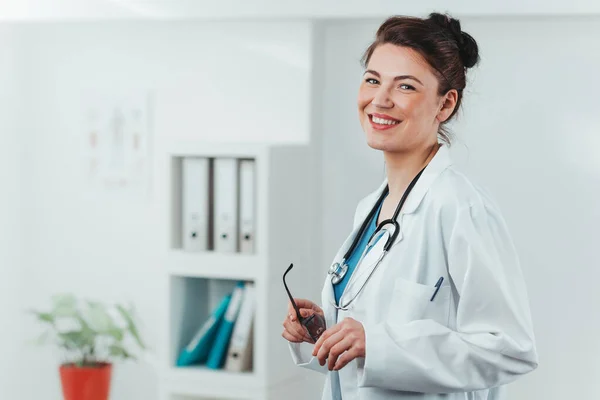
{"x":208,"y":382}
{"x":198,"y":277}
{"x":214,"y":265}
{"x":200,"y":149}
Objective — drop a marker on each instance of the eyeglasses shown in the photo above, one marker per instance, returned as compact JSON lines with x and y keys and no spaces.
{"x":314,"y":324}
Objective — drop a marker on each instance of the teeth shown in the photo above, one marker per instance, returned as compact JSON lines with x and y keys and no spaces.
{"x":382,"y":121}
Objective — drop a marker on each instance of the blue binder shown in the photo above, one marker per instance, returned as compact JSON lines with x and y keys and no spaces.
{"x":197,"y":351}
{"x":216,"y":358}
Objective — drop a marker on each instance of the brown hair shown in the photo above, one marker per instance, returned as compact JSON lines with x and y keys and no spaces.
{"x":441,"y":42}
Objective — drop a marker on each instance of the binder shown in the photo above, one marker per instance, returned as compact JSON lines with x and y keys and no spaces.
{"x":239,"y":354}
{"x":218,"y":352}
{"x":197,"y":351}
{"x":225,"y":205}
{"x":247,"y":210}
{"x":195,"y":187}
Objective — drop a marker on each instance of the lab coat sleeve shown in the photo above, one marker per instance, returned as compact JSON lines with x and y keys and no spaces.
{"x":493,"y":343}
{"x":302,"y":352}
{"x":302,"y":356}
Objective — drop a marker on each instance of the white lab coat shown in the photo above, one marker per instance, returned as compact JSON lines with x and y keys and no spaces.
{"x":474,"y":337}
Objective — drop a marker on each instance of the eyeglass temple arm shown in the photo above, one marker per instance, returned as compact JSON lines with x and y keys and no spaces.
{"x":290,"y":295}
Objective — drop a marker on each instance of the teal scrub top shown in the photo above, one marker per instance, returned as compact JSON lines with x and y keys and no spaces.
{"x":338,"y":288}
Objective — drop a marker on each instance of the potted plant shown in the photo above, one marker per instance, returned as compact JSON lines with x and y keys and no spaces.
{"x":92,"y":336}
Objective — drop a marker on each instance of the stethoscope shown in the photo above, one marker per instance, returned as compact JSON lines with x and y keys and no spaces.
{"x":339,"y":269}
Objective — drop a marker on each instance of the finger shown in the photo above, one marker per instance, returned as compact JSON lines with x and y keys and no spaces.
{"x":299,"y":330}
{"x":290,"y":338}
{"x":345,"y":358}
{"x":300,"y":303}
{"x":303,"y":306}
{"x":323,"y":352}
{"x":295,"y":329}
{"x":303,"y":303}
{"x":324,"y":336}
{"x":291,"y":312}
{"x":338,"y":350}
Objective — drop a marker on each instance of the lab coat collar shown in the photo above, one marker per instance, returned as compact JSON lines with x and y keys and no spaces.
{"x":436,"y":166}
{"x":438,"y":163}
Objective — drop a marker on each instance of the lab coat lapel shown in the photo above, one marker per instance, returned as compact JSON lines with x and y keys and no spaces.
{"x":369,"y":261}
{"x":436,"y":166}
{"x":328,"y":296}
{"x":363,"y":270}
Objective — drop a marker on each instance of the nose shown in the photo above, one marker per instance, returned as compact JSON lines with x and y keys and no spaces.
{"x":382,"y":98}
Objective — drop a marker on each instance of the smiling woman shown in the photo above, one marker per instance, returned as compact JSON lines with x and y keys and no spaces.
{"x":431,"y":57}
{"x":425,"y":299}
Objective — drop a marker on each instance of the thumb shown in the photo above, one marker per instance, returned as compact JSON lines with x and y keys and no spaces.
{"x":305,"y":312}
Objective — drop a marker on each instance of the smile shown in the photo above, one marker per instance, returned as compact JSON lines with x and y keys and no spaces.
{"x":382,"y":123}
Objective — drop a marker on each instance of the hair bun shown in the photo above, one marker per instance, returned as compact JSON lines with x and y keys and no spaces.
{"x":467,"y":46}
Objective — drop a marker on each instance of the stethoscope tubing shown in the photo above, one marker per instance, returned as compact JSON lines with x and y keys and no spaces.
{"x":339,"y":270}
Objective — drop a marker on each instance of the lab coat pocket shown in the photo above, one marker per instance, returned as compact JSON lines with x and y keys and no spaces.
{"x":412,"y":301}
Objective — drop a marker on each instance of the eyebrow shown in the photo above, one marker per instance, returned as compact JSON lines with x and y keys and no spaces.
{"x":397,"y":78}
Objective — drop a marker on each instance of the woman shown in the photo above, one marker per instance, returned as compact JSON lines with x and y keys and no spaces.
{"x":444,"y":313}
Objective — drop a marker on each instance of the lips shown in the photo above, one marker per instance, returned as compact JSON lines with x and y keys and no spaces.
{"x":384,"y":121}
{"x":383,"y":116}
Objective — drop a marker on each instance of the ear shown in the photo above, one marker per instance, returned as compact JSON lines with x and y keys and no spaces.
{"x":447,"y":105}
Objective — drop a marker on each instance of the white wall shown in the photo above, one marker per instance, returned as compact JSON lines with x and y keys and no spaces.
{"x":61,"y":10}
{"x":207,"y":80}
{"x":529,"y":133}
{"x":529,"y":124}
{"x":11,"y":282}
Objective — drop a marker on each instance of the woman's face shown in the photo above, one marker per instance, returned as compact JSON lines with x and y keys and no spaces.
{"x":398,"y":103}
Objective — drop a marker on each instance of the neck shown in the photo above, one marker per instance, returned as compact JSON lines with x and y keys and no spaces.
{"x":401,"y":168}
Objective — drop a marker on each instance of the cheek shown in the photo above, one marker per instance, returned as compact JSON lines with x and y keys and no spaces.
{"x":363,"y":98}
{"x":416,"y":108}
{"x":409,"y":105}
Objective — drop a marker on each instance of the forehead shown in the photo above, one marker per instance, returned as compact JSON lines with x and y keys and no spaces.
{"x":391,"y":60}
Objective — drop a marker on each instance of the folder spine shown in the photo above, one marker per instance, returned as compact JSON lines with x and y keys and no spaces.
{"x":239,"y":354}
{"x":197,"y":351}
{"x":225,"y":205}
{"x":246,"y":206}
{"x":217,"y":354}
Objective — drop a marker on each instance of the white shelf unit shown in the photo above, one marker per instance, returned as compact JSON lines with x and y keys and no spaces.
{"x":285,"y":232}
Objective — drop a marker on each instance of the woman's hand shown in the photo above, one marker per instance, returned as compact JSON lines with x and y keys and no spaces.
{"x":294,"y":331}
{"x":341,"y":344}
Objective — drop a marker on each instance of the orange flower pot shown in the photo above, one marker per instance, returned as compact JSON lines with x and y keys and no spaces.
{"x":85,"y":383}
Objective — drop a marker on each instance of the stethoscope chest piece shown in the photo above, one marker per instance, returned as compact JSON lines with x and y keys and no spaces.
{"x":338,"y":271}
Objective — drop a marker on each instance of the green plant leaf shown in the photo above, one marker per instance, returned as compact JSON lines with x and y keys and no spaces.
{"x":116,"y":333}
{"x":131,"y":325}
{"x":73,"y":339}
{"x":118,"y":351}
{"x":45,"y":317}
{"x":85,"y":327}
{"x":42,"y":339}
{"x":64,"y":305}
{"x":99,"y":319}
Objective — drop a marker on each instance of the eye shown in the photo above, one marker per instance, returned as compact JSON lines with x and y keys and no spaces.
{"x":405,"y":86}
{"x":372,"y":81}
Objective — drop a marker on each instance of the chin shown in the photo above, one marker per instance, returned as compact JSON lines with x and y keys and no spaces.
{"x":377,"y":143}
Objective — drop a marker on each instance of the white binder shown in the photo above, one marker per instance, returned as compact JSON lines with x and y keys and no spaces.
{"x":239,"y":353}
{"x":195,"y":196}
{"x":225,"y":205}
{"x":247,"y":210}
